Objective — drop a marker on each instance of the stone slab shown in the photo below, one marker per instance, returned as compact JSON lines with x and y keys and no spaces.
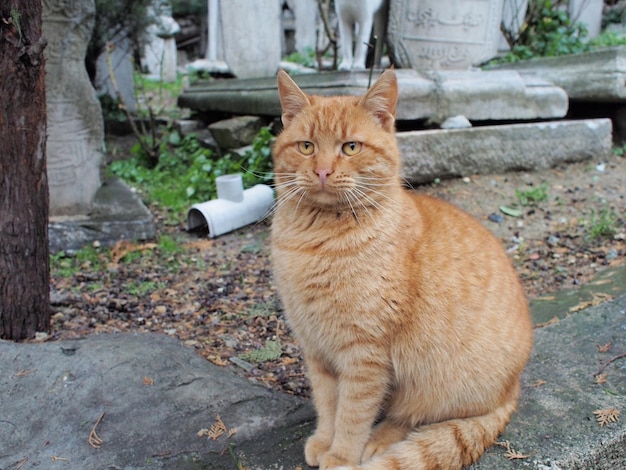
{"x":496,"y":149}
{"x":155,"y":393}
{"x":251,"y":40}
{"x":117,"y":214}
{"x":478,"y":95}
{"x":598,"y":76}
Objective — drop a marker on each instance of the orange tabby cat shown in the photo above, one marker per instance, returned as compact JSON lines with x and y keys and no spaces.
{"x":412,"y":321}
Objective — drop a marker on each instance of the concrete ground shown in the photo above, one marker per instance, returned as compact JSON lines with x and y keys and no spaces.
{"x":146,"y":401}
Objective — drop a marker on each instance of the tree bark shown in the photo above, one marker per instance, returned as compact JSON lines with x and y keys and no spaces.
{"x":24,"y":200}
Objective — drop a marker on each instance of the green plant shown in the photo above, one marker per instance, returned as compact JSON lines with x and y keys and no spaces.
{"x":602,"y":224}
{"x":532,"y":196}
{"x":270,"y":352}
{"x":619,"y":151}
{"x":185,"y":171}
{"x":306,"y":58}
{"x":547,"y":31}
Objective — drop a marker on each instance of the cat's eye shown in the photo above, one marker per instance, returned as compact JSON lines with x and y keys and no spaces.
{"x":351,"y":148}
{"x":305,"y":147}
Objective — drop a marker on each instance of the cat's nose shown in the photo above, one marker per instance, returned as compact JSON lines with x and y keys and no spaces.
{"x":322,"y":174}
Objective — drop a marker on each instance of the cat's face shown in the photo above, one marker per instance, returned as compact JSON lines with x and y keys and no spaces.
{"x":336,"y":151}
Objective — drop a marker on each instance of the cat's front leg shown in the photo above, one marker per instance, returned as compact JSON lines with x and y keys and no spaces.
{"x":361,"y":394}
{"x":324,"y":389}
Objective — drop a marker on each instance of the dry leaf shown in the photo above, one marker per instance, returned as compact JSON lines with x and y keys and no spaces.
{"x":148,"y":380}
{"x":217,"y":429}
{"x":598,"y":298}
{"x":24,"y":373}
{"x":511,"y":453}
{"x":606,"y":416}
{"x":124,"y":247}
{"x":537,"y":383}
{"x":604,"y":347}
{"x":554,"y":319}
{"x":600,"y":379}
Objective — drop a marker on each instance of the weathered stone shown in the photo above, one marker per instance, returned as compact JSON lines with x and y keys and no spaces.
{"x":306,"y":22}
{"x":121,"y":66}
{"x":251,"y":36}
{"x":159,"y":54}
{"x":443,"y":34}
{"x":597,"y":76}
{"x":75,"y":126}
{"x":151,"y":423}
{"x":513,"y":15}
{"x":116,"y":214}
{"x":589,"y":13}
{"x":456,"y":122}
{"x":188,"y":126}
{"x":499,"y":95}
{"x":434,"y":154}
{"x":236,"y":132}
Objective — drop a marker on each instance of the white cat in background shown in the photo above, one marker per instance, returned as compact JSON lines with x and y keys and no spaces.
{"x":356,"y":18}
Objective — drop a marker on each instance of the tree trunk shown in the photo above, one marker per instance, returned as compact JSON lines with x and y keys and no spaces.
{"x":24,"y":252}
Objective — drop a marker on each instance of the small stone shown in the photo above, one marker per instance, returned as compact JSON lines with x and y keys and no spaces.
{"x":466,"y":179}
{"x":612,"y":254}
{"x":245,"y":365}
{"x":170,"y":331}
{"x":160,"y":309}
{"x":553,"y":241}
{"x":96,"y":244}
{"x":456,"y":122}
{"x":41,"y":336}
{"x":494,"y":217}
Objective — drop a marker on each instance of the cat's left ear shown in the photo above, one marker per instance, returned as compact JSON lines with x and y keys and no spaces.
{"x":292,"y":98}
{"x":381,"y":99}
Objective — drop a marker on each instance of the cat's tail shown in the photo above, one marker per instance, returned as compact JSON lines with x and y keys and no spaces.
{"x":451,"y":444}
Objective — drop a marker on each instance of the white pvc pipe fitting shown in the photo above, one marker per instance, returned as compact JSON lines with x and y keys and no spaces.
{"x":234,"y":207}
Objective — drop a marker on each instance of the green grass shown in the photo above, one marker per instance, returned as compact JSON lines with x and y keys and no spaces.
{"x":603,"y":223}
{"x":532,"y":196}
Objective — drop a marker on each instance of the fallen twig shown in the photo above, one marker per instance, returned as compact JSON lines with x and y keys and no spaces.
{"x":613,"y":359}
{"x":94,"y":440}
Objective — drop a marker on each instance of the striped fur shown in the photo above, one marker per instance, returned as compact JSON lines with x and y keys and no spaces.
{"x":412,"y":321}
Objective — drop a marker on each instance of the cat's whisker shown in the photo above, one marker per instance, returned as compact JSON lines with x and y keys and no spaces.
{"x":290,"y":192}
{"x":347,"y":197}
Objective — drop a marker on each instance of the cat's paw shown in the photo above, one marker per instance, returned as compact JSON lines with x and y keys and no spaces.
{"x":314,"y":449}
{"x":345,"y":66}
{"x":335,"y":462}
{"x":384,"y":435}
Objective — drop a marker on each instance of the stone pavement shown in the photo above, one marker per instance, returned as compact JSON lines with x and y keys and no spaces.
{"x":155,"y":395}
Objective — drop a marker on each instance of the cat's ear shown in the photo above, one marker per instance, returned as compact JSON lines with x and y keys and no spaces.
{"x":381,"y":99}
{"x":292,"y":98}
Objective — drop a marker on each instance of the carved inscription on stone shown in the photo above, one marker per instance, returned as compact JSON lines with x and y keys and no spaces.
{"x":443,"y":34}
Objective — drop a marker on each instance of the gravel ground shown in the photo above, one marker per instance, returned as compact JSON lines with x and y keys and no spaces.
{"x":218,"y":295}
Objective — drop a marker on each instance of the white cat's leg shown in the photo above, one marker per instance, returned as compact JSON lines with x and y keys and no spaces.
{"x":345,"y":34}
{"x":324,"y":389}
{"x":362,"y":41}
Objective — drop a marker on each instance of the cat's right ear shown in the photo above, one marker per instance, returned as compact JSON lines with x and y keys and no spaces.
{"x":292,"y":98}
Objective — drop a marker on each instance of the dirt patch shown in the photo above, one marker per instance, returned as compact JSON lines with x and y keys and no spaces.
{"x":218,"y":295}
